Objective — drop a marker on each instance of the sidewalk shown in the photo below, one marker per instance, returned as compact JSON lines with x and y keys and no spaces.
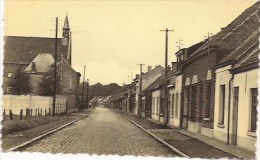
{"x":17,"y":138}
{"x":192,"y":144}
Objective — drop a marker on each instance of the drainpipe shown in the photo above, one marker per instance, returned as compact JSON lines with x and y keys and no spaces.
{"x":229,"y":104}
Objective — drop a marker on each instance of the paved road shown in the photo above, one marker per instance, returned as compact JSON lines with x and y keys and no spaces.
{"x":103,"y":132}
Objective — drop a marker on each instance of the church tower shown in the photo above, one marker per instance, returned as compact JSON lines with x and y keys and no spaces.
{"x":66,"y":32}
{"x":66,"y":39}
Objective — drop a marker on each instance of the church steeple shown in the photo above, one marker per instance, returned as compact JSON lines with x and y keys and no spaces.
{"x":66,"y":28}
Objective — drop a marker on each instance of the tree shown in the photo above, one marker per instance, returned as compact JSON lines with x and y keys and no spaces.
{"x":20,"y":83}
{"x":46,"y":86}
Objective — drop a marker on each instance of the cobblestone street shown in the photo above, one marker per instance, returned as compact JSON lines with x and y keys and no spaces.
{"x":103,"y":132}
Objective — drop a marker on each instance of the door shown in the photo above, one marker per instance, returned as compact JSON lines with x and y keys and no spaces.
{"x":185,"y":108}
{"x":235,"y":115}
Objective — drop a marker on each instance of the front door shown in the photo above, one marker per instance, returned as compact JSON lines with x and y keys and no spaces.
{"x":235,"y":116}
{"x":185,"y":108}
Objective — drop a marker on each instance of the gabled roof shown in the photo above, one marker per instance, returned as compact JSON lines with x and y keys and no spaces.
{"x":43,"y":63}
{"x":238,"y":31}
{"x":156,"y":84}
{"x":153,"y":72}
{"x":19,"y":49}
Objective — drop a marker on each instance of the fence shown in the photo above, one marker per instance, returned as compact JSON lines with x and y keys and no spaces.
{"x":33,"y":105}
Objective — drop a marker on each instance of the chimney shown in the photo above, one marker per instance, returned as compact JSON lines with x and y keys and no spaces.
{"x":149,"y":68}
{"x":33,"y":67}
{"x":169,"y":67}
{"x":136,"y":76}
{"x":174,"y":66}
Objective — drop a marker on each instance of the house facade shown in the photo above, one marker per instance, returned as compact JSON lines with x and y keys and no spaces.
{"x":147,"y":79}
{"x":236,"y":95}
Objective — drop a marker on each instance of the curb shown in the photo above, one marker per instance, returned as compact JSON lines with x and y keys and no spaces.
{"x":174,"y":149}
{"x":15,"y":148}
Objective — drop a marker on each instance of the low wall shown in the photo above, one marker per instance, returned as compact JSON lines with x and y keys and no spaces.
{"x":34,"y":103}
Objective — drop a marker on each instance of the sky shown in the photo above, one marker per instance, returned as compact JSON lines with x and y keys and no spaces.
{"x":112,"y":37}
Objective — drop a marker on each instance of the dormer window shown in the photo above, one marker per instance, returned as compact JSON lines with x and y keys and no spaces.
{"x":9,"y":75}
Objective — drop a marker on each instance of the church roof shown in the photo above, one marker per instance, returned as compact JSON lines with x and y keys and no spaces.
{"x":66,"y":23}
{"x":18,"y":49}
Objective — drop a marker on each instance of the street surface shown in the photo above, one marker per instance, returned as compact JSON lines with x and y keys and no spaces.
{"x":103,"y":132}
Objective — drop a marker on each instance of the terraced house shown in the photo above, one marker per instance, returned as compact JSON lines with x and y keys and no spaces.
{"x":226,"y":70}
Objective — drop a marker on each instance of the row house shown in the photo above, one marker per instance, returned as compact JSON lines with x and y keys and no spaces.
{"x":216,"y":83}
{"x":147,"y":79}
{"x":155,"y":97}
{"x":212,"y":88}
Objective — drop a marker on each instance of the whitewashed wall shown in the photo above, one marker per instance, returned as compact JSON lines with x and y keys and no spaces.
{"x":18,"y":102}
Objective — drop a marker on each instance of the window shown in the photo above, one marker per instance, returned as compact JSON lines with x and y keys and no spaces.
{"x":153,"y":105}
{"x":172,"y":104}
{"x":161,"y":105}
{"x":176,"y":106}
{"x":208,"y":99}
{"x":9,"y":75}
{"x":157,"y":105}
{"x":70,"y":82}
{"x":254,"y":103}
{"x":222,"y":105}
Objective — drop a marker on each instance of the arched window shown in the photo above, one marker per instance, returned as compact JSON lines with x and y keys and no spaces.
{"x":194,"y":79}
{"x":209,"y":75}
{"x":187,"y":82}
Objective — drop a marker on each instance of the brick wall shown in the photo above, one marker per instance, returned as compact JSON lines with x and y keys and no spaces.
{"x":70,"y":84}
{"x":199,"y":95}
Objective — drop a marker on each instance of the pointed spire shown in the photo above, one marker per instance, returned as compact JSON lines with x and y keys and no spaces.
{"x":66,"y":22}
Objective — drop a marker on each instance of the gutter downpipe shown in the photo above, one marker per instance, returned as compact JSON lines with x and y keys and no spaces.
{"x":229,"y":105}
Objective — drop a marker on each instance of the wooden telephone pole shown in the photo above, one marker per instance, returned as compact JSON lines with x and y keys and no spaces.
{"x":82,"y":96}
{"x":140,"y":91}
{"x":165,"y":104}
{"x":55,"y":68}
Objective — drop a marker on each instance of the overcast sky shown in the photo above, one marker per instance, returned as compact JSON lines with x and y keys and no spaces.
{"x":112,"y":37}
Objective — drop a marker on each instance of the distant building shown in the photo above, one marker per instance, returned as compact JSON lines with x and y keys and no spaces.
{"x":147,"y":78}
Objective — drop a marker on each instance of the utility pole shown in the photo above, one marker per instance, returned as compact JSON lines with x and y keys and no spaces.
{"x":87,"y":92}
{"x":140,"y":91}
{"x":55,"y":68}
{"x":82,"y":97}
{"x":165,"y":104}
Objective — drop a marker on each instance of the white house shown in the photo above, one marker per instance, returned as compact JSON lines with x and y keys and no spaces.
{"x":236,"y":95}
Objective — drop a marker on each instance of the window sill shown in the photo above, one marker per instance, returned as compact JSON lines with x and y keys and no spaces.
{"x":206,"y":119}
{"x":251,"y":134}
{"x":221,"y":126}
